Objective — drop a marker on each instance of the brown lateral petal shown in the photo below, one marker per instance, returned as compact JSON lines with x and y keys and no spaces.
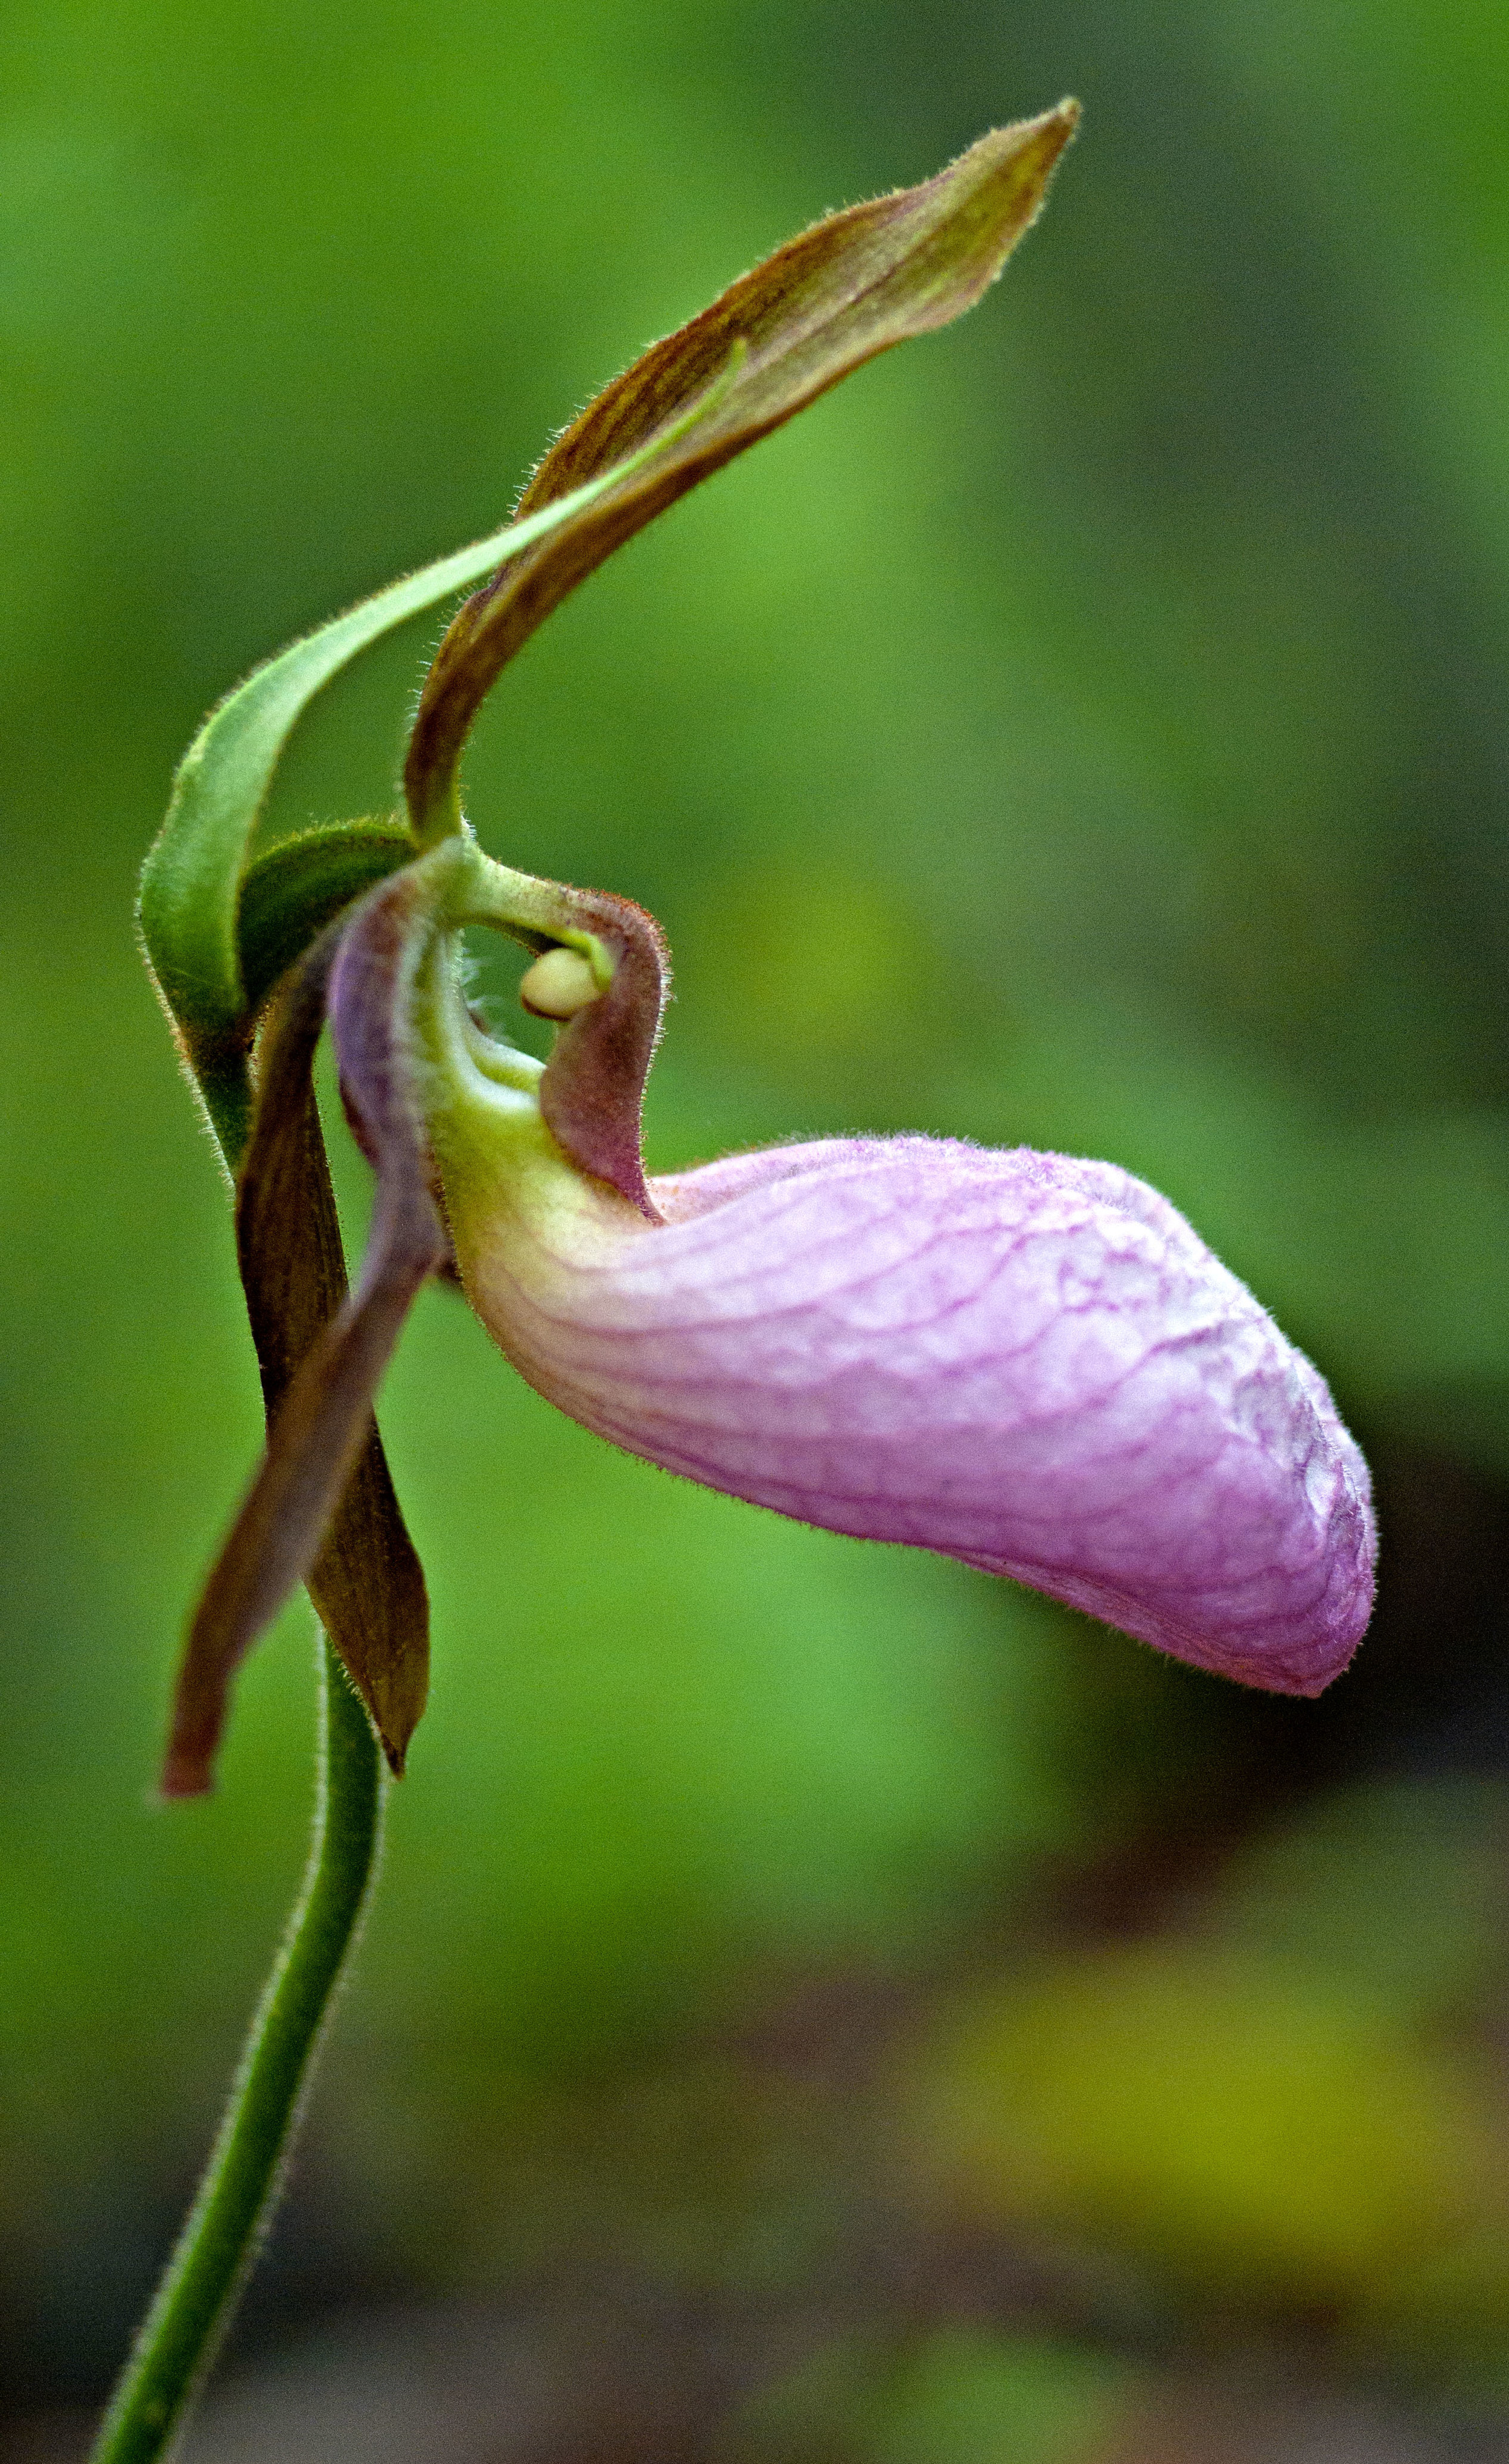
{"x":325,"y":1472}
{"x":852,"y":286}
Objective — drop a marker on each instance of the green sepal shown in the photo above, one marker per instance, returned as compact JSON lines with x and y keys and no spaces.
{"x":854,"y":285}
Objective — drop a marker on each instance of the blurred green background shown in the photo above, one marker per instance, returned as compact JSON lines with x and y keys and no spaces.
{"x":824,"y":2006}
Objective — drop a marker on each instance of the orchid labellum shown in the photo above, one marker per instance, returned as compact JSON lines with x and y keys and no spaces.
{"x":1024,"y":1361}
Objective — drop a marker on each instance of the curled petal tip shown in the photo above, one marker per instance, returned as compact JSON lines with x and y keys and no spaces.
{"x":185,"y":1775}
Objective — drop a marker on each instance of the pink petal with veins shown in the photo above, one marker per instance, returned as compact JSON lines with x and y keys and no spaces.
{"x":1021,"y":1360}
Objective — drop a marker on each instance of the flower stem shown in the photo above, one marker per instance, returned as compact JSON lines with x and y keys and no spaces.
{"x":197,"y":2295}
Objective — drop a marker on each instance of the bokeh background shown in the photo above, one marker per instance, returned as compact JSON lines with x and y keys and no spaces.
{"x":822,"y":2007}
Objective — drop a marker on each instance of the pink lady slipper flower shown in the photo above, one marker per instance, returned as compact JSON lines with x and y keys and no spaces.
{"x":1021,"y":1360}
{"x":1024,"y":1361}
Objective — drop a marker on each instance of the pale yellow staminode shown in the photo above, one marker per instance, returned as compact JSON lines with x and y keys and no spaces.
{"x":558,"y":984}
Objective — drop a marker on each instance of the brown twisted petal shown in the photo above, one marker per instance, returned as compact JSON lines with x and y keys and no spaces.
{"x":322,"y":1509}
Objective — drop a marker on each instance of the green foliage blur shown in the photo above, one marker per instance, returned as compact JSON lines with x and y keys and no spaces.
{"x":1085,"y":728}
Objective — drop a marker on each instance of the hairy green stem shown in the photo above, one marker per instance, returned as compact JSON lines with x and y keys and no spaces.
{"x":198,"y":2293}
{"x":219,"y":2241}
